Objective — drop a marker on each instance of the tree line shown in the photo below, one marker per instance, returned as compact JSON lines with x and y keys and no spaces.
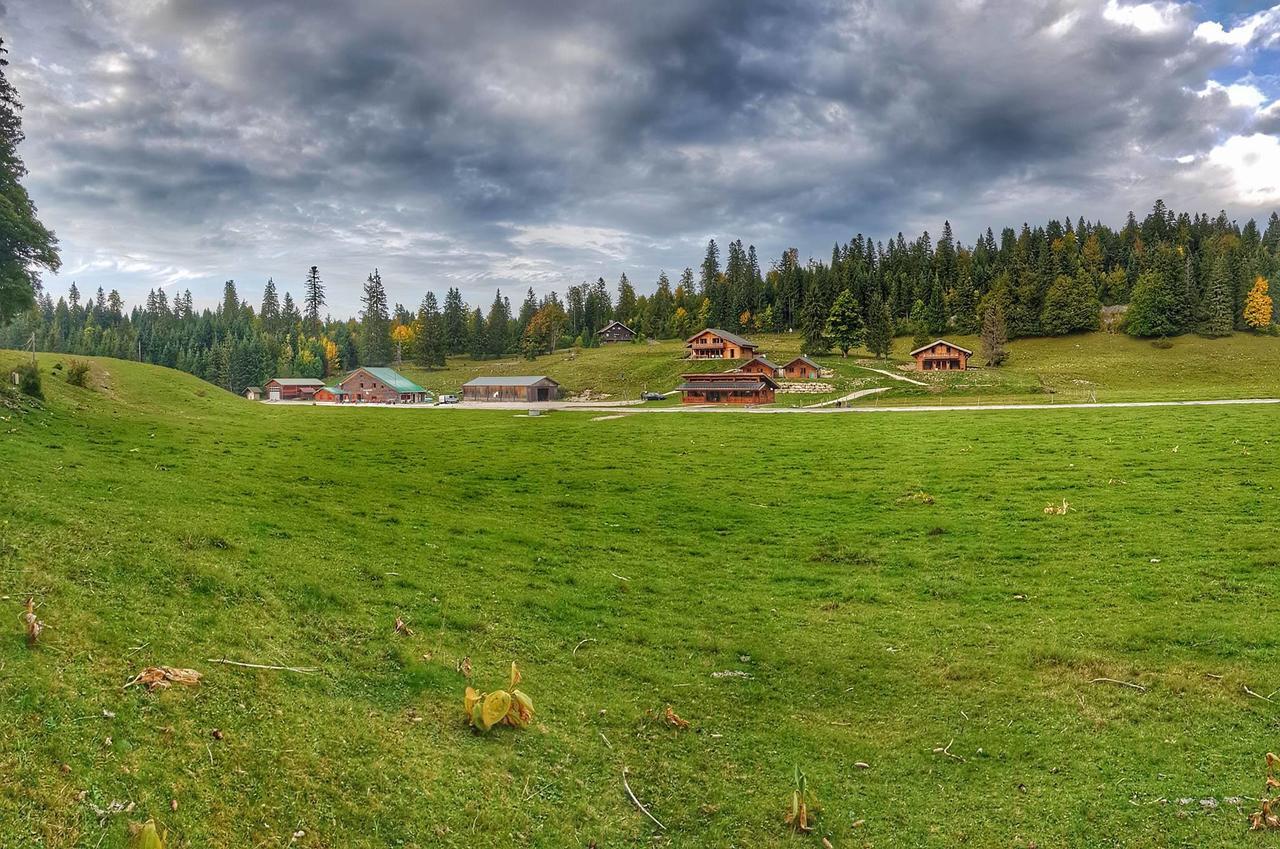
{"x":1176,"y":273}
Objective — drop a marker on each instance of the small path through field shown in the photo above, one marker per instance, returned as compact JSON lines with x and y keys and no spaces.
{"x":894,"y":376}
{"x":861,"y":393}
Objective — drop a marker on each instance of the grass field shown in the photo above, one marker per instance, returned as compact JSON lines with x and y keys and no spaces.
{"x":623,"y":563}
{"x":1094,"y":366}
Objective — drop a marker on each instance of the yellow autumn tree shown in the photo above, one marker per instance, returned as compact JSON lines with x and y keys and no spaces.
{"x":1257,"y":306}
{"x":402,"y":335}
{"x":332,"y":362}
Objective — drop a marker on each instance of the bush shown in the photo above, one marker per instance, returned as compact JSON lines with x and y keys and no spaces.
{"x":29,"y":380}
{"x":78,"y":373}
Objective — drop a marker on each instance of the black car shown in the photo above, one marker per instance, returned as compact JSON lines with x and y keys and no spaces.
{"x":652,"y":396}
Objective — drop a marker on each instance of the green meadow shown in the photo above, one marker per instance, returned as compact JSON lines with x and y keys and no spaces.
{"x":812,"y":591}
{"x":1079,"y":368}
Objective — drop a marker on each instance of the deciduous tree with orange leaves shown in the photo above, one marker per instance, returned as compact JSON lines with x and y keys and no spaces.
{"x":1257,"y":305}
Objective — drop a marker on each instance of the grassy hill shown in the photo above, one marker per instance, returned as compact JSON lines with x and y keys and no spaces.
{"x":1101,"y":366}
{"x":878,"y":588}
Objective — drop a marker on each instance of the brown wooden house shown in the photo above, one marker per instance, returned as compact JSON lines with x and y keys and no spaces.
{"x":802,"y":368}
{"x":941,"y":355}
{"x":760,"y":365}
{"x":253,"y":393}
{"x":370,"y":385}
{"x":731,"y":387}
{"x":616,"y":331}
{"x":715,"y":344}
{"x":292,"y":388}
{"x":526,"y":388}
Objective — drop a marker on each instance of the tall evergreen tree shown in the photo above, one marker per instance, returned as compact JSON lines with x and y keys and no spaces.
{"x":26,"y":246}
{"x":375,"y":323}
{"x":270,"y":312}
{"x":455,"y":322}
{"x":313,"y":299}
{"x":1071,"y":305}
{"x":1219,"y":302}
{"x":879,"y":336}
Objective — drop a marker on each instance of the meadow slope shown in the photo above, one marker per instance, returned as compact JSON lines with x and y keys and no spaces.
{"x":623,"y":563}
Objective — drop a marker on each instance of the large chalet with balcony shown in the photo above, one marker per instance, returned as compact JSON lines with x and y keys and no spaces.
{"x":716,"y":344}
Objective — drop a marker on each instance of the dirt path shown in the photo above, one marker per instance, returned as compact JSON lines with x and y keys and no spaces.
{"x":904,"y":379}
{"x":861,"y":393}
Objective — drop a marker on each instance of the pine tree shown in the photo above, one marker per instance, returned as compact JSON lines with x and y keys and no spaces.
{"x":844,"y":323}
{"x":1071,"y":305}
{"x":313,"y":299}
{"x":995,"y":335}
{"x":813,"y":324}
{"x":1219,"y":301}
{"x":375,"y":323}
{"x":429,"y":348}
{"x":879,"y":326}
{"x":625,"y":311}
{"x":455,"y":322}
{"x":269,"y":315}
{"x":26,"y":246}
{"x":496,"y":324}
{"x":477,"y":338}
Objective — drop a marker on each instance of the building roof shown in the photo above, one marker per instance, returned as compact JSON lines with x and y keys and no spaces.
{"x":726,"y":380}
{"x":516,"y":380}
{"x":296,"y":381}
{"x":760,"y":359}
{"x":391,"y":377}
{"x":803,"y":359}
{"x":939,"y":342}
{"x":257,"y":389}
{"x":723,"y":334}
{"x":619,"y":324}
{"x":336,"y":390}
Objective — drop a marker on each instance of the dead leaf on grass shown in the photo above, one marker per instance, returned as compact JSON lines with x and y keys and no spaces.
{"x":144,"y":836}
{"x":670,"y":717}
{"x":161,"y":677}
{"x":403,"y":628}
{"x":30,"y":623}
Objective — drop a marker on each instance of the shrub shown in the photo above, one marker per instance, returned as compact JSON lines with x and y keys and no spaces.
{"x":78,"y":373}
{"x":29,"y":380}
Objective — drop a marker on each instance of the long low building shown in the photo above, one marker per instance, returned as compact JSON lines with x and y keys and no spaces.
{"x":519,"y":388}
{"x":732,"y":387}
{"x":292,"y":388}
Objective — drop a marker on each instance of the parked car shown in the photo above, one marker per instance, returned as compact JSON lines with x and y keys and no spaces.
{"x":652,"y":396}
{"x":447,"y":399}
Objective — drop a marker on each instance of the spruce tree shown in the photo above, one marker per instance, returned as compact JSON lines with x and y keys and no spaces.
{"x":995,"y":335}
{"x":1071,"y":305}
{"x":1219,"y":301}
{"x":375,"y":323}
{"x":313,"y":299}
{"x":26,"y":246}
{"x":813,"y":325}
{"x":269,"y":315}
{"x":455,"y":322}
{"x":879,"y":336}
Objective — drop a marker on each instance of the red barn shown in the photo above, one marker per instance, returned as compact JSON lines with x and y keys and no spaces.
{"x":941,"y":355}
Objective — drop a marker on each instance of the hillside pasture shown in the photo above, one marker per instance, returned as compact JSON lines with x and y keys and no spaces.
{"x":819,"y":591}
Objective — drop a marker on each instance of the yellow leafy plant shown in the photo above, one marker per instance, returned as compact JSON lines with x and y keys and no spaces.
{"x":500,"y":707}
{"x":803,"y":807}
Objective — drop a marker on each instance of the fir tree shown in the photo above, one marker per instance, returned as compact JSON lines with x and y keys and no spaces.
{"x":1071,"y":305}
{"x":995,"y":335}
{"x":375,"y":323}
{"x":1219,"y":301}
{"x":879,"y":326}
{"x":313,"y":299}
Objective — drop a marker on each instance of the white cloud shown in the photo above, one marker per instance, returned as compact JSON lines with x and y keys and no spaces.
{"x":1251,"y":165}
{"x":1146,"y":18}
{"x":1241,"y":35}
{"x":602,"y":240}
{"x":1239,"y":94}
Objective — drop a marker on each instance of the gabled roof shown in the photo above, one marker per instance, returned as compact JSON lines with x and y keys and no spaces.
{"x":758,"y":358}
{"x":803,"y":359}
{"x":726,"y":380}
{"x":618,"y":324}
{"x":723,"y":334}
{"x":257,"y":389}
{"x":389,"y":376}
{"x":296,"y":381}
{"x":336,"y":389}
{"x":518,"y":380}
{"x":940,"y":342}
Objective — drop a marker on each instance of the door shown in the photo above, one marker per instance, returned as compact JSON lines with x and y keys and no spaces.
{"x":275,"y":395}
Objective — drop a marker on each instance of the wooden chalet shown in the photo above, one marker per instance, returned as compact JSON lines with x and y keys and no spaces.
{"x":715,"y":344}
{"x":292,"y":388}
{"x":616,"y":331}
{"x":760,"y":365}
{"x":523,"y":388}
{"x":941,"y":355}
{"x":253,"y":393}
{"x":731,"y":387}
{"x":377,"y":385}
{"x":802,"y":368}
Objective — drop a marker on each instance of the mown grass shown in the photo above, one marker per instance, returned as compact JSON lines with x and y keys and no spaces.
{"x":1085,"y":367}
{"x":160,"y":521}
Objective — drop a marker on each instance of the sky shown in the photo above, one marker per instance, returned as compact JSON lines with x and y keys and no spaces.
{"x":541,"y":143}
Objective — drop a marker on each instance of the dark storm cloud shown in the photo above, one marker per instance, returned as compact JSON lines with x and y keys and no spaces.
{"x":540,"y":142}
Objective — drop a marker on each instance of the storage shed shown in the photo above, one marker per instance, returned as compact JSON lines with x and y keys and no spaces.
{"x":521,"y":388}
{"x":760,"y":365}
{"x":292,"y":388}
{"x":802,"y":368}
{"x":253,"y":393}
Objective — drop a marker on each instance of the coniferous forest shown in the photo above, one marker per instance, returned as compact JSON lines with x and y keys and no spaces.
{"x":1171,"y":273}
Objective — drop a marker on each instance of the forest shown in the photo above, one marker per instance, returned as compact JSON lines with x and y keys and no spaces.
{"x":1168,"y":274}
